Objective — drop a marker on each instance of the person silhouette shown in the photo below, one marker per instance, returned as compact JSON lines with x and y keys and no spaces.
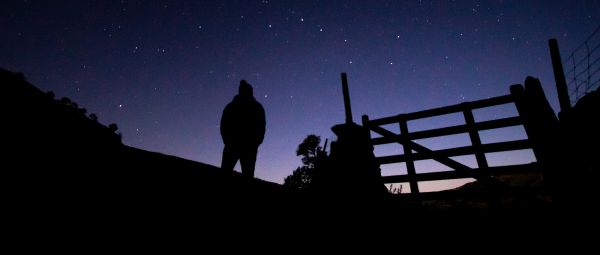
{"x":243,"y":130}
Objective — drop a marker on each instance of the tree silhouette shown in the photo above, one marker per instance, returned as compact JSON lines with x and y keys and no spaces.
{"x":310,"y":150}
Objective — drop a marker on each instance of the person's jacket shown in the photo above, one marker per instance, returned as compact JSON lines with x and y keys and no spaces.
{"x":243,"y":122}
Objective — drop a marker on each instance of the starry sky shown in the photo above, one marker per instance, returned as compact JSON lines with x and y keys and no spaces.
{"x":164,"y":70}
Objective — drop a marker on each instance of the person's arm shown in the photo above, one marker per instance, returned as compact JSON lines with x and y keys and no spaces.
{"x":225,"y":124}
{"x":262,"y":123}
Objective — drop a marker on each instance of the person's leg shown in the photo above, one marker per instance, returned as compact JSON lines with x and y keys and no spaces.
{"x":230,"y":158}
{"x":248,"y":161}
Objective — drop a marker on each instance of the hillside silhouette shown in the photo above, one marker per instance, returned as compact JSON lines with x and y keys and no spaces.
{"x":60,"y":156}
{"x":64,"y":168}
{"x":60,"y":160}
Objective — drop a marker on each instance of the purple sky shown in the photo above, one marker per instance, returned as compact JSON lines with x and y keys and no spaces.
{"x":164,"y":70}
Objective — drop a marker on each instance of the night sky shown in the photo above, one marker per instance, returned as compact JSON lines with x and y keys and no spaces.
{"x":164,"y":70}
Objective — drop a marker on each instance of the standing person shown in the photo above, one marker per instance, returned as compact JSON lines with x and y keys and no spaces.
{"x":243,"y":130}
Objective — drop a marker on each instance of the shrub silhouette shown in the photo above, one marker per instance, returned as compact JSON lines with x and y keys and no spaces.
{"x":113,"y":127}
{"x":94,"y":117}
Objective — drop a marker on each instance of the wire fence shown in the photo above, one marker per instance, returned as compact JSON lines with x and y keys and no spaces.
{"x":582,"y":67}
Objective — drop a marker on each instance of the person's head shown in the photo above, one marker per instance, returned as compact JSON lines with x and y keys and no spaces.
{"x":245,"y":89}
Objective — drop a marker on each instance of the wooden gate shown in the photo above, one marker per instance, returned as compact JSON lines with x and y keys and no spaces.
{"x":535,"y":115}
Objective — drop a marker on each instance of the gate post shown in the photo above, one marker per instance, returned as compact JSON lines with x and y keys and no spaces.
{"x":559,"y":76}
{"x":541,"y":126}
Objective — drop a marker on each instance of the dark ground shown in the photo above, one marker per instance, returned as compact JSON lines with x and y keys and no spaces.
{"x":65,"y":172}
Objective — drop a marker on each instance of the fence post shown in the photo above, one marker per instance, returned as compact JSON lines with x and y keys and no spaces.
{"x":474,"y":135}
{"x":518,"y":93}
{"x":410,"y":164}
{"x":347,"y":106}
{"x":559,"y":76}
{"x":541,"y":127}
{"x":365,"y":124}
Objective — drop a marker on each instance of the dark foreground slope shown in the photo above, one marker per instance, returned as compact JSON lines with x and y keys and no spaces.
{"x":67,"y":172}
{"x":58,"y":160}
{"x":64,"y":171}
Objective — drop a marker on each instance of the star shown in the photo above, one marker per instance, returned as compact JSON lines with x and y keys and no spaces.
{"x":99,"y":63}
